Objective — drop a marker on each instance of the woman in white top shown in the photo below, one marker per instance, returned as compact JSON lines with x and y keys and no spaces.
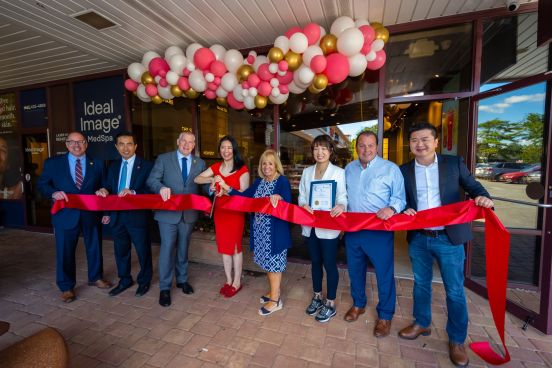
{"x":322,"y":243}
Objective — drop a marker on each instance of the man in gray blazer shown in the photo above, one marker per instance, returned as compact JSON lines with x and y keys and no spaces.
{"x":174,"y":173}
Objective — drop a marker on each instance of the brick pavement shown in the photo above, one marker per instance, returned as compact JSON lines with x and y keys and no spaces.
{"x":207,"y":330}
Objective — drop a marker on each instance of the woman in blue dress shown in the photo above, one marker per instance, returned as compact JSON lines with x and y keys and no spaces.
{"x":270,"y":237}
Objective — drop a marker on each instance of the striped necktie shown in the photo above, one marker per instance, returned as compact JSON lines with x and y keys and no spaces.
{"x":78,"y":174}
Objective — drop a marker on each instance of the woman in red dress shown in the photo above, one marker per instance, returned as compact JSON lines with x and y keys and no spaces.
{"x":228,"y":224}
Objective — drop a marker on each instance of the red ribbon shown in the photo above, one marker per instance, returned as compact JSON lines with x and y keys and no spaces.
{"x":497,"y":238}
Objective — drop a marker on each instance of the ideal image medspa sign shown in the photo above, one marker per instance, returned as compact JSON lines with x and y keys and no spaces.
{"x":99,"y":113}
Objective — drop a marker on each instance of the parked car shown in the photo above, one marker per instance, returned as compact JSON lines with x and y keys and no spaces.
{"x":480,"y":168}
{"x":533,"y":177}
{"x":519,"y":176}
{"x":493,"y":171}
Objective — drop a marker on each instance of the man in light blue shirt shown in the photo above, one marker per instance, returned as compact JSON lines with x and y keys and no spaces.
{"x":374,"y":185}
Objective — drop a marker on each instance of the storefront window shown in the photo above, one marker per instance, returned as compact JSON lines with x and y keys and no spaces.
{"x":429,"y":62}
{"x":510,"y":50}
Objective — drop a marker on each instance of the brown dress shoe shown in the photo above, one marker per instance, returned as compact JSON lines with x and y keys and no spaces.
{"x":68,"y":296}
{"x":413,"y":331}
{"x":382,"y":328}
{"x":458,"y":355}
{"x":353,"y":313}
{"x":101,"y":284}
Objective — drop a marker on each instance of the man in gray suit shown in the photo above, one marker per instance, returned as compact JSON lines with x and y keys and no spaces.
{"x":174,"y":173}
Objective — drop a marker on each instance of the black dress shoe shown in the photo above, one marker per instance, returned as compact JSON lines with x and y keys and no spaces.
{"x":142,"y":289}
{"x":119,"y":289}
{"x":186,"y":288}
{"x":165,"y":298}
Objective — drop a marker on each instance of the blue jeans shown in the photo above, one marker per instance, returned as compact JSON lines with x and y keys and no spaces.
{"x":323,"y":252}
{"x":450,"y":258}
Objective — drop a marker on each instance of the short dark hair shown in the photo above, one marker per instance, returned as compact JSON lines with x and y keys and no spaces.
{"x":125,"y":134}
{"x":367,"y":133}
{"x":422,"y":125}
{"x":324,"y":140}
{"x":237,"y":159}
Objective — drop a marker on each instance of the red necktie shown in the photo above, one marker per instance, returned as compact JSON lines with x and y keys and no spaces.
{"x":78,"y":174}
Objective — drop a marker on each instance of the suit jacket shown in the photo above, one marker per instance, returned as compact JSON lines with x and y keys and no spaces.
{"x":56,"y":176}
{"x":140,"y":173}
{"x":166,"y":172}
{"x":454,"y":179}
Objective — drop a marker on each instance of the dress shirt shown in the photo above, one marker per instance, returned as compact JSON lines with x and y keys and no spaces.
{"x":73,"y":163}
{"x":427,"y":187}
{"x":188,"y":161}
{"x":130,"y":165}
{"x":379,"y":185}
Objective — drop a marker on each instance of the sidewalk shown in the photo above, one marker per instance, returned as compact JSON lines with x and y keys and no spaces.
{"x":207,"y":330}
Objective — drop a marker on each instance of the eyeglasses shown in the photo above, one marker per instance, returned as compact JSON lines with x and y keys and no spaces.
{"x":74,"y":143}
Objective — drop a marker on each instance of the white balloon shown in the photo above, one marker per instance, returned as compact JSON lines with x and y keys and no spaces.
{"x":361,"y":22}
{"x":273,"y":68}
{"x":322,"y":34}
{"x":261,"y":59}
{"x":135,"y":71}
{"x":177,"y":63}
{"x":196,"y":80}
{"x":245,"y":93}
{"x":221,"y":92}
{"x":219,"y":51}
{"x":147,"y":58}
{"x":157,"y":79}
{"x":190,"y":66}
{"x":377,"y":45}
{"x":281,"y":73}
{"x":253,"y":91}
{"x":229,"y":81}
{"x":209,"y":77}
{"x":141,"y":92}
{"x":172,"y":77}
{"x":275,"y":92}
{"x":350,"y":42}
{"x":191,"y":50}
{"x":293,"y":88}
{"x":274,"y":82}
{"x":165,"y":92}
{"x":233,"y":59}
{"x":311,"y":52}
{"x":298,"y":42}
{"x":144,"y":99}
{"x":306,"y":75}
{"x":280,"y":99}
{"x":341,"y":24}
{"x":357,"y":65}
{"x":371,"y":56}
{"x":238,"y":93}
{"x":282,"y":42}
{"x":249,"y":103}
{"x":173,"y":50}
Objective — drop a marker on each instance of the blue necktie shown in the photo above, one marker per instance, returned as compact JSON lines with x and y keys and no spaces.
{"x":184,"y":169}
{"x":122,"y":180}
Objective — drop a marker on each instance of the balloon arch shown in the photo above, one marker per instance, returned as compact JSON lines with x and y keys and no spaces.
{"x":301,"y":59}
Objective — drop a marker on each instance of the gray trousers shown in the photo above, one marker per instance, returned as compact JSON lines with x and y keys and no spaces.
{"x":173,"y":255}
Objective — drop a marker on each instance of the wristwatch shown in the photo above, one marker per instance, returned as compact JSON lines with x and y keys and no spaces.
{"x":393,"y":208}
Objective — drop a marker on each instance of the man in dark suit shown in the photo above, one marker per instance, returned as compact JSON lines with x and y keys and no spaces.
{"x":432,"y":180}
{"x":174,"y":173}
{"x":74,"y":173}
{"x":127,"y":176}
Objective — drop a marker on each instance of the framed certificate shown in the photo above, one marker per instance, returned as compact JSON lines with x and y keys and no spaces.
{"x":322,"y":195}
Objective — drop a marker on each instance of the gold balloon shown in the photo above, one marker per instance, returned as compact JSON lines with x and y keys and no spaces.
{"x":176,"y":91}
{"x":320,"y":81}
{"x":294,"y":60}
{"x":244,"y":71}
{"x":147,"y":78}
{"x":275,"y":54}
{"x":314,"y":90}
{"x":328,"y":44}
{"x":376,"y":25}
{"x":222,"y":101}
{"x":260,"y":101}
{"x":382,"y":34}
{"x":191,"y":93}
{"x":156,"y":99}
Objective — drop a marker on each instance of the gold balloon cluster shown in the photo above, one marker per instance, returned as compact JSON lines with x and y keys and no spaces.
{"x":381,"y":32}
{"x":244,"y":71}
{"x":328,"y":44}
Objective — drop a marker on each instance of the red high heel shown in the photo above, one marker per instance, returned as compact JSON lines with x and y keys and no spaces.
{"x":231,"y":291}
{"x":224,"y":289}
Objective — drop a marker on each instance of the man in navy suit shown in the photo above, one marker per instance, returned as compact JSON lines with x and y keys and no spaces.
{"x":432,"y":180}
{"x":127,"y":176}
{"x":74,"y":173}
{"x":174,"y":173}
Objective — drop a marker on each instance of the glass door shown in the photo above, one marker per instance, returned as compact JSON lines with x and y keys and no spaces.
{"x":35,"y":153}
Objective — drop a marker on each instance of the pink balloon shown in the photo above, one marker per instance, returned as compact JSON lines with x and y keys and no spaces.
{"x":283,"y":88}
{"x":293,"y":30}
{"x":366,"y":48}
{"x":131,"y":85}
{"x":264,"y":88}
{"x":368,"y":33}
{"x":218,"y":68}
{"x":378,"y":61}
{"x":250,"y":59}
{"x":151,"y":90}
{"x":318,"y":63}
{"x":264,"y":73}
{"x":283,"y":65}
{"x":186,"y":72}
{"x":210,"y":94}
{"x":253,"y":80}
{"x":212,"y":86}
{"x":245,"y":85}
{"x":312,"y":31}
{"x":233,"y":103}
{"x":156,"y":65}
{"x":337,"y":68}
{"x":163,"y":82}
{"x":203,"y":58}
{"x":286,"y":78}
{"x":183,"y":83}
{"x":162,"y":73}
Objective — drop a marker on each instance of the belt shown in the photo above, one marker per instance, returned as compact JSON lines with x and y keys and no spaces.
{"x":432,"y":233}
